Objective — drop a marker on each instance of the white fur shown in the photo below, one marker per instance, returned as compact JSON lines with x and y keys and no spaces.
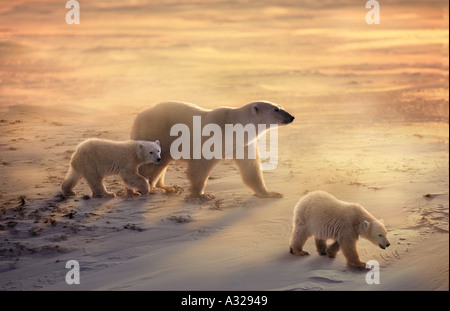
{"x":321,"y":215}
{"x":157,"y":121}
{"x":94,"y":159}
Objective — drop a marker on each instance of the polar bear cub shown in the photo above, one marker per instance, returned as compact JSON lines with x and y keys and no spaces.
{"x":94,"y":159}
{"x":321,"y":215}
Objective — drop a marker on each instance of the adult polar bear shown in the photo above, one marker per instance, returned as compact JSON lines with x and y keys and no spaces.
{"x":156,"y":123}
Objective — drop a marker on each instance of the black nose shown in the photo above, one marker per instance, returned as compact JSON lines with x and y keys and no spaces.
{"x":158,"y":160}
{"x":387,"y":245}
{"x":289,"y":119}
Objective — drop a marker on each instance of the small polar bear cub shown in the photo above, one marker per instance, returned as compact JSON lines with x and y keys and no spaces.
{"x":321,"y":215}
{"x":94,"y":159}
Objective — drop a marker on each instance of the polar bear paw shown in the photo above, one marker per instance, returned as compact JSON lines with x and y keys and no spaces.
{"x":69,"y":193}
{"x":298,"y":253}
{"x":357,"y":264}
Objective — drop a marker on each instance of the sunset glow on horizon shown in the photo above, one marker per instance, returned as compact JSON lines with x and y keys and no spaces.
{"x":219,"y":53}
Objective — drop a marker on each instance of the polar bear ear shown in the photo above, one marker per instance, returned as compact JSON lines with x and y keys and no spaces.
{"x":157,"y":142}
{"x":382,"y":221}
{"x":366,"y":224}
{"x":363,"y":227}
{"x":255,"y":108}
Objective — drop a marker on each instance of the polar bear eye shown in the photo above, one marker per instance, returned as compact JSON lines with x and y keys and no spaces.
{"x":380,"y":235}
{"x":276,"y":110}
{"x":151,"y":152}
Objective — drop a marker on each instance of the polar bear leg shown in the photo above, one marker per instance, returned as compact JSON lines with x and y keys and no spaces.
{"x":321,"y":246}
{"x":298,"y":238}
{"x":160,"y":182}
{"x":149,"y":172}
{"x":135,"y":181}
{"x":155,"y":174}
{"x":351,"y":254}
{"x":95,"y":182}
{"x":333,"y":249}
{"x":252,"y":176}
{"x":198,"y":173}
{"x":70,"y":182}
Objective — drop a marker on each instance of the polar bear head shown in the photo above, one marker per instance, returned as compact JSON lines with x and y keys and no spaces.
{"x":265,"y":112}
{"x":149,"y":151}
{"x":375,"y":232}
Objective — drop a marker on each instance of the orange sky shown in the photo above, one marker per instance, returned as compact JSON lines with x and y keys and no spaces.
{"x":135,"y":54}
